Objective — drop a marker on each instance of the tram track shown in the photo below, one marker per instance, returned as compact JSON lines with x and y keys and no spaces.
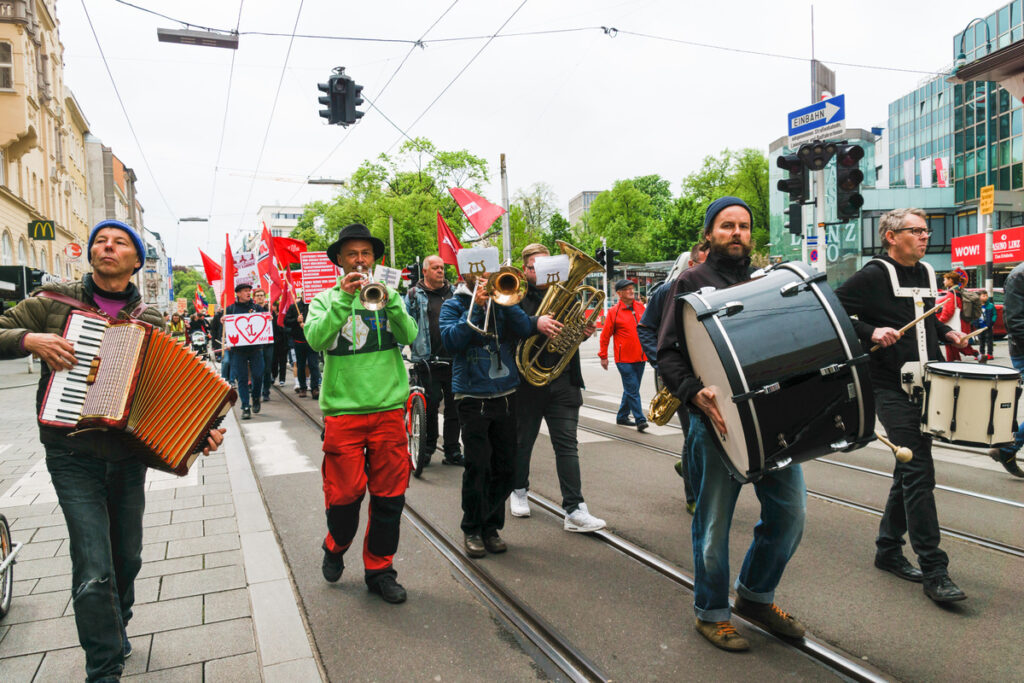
{"x":991,"y":544}
{"x":836,"y":463}
{"x":549,"y":647}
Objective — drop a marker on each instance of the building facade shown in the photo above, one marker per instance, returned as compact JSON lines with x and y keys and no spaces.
{"x":41,"y":128}
{"x":280,"y":220}
{"x":580,"y":204}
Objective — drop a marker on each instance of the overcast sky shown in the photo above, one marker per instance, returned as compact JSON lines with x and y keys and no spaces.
{"x":577,"y":110}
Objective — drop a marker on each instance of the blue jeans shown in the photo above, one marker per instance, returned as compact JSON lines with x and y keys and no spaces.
{"x":631,"y":374}
{"x":783,"y":497}
{"x":1018,"y":438}
{"x":242,"y":358}
{"x":103,"y":503}
{"x":225,"y":365}
{"x":268,"y":373}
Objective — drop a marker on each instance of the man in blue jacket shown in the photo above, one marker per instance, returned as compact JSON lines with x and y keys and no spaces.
{"x":484,"y":379}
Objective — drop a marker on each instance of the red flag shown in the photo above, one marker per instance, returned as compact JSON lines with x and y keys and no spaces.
{"x":480,"y":212}
{"x":287,"y":250}
{"x":213,"y":270}
{"x":287,"y":299}
{"x":227,"y":296}
{"x":269,"y":275}
{"x":447,"y":242}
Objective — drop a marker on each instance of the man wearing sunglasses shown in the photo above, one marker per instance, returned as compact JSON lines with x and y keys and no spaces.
{"x":887,"y":293}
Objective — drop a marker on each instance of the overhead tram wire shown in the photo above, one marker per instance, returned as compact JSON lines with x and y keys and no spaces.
{"x":223,"y":126}
{"x":408,"y":54}
{"x":609,"y":31}
{"x":124,"y":110}
{"x":461,"y":71}
{"x":270,"y":121}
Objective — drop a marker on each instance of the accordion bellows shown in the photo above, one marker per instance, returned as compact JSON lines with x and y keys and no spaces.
{"x":141,"y":385}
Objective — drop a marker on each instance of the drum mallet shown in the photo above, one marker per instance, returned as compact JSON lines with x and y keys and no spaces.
{"x":902,"y":453}
{"x":913,"y":322}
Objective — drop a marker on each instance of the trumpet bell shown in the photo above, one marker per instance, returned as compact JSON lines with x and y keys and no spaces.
{"x":373,"y":296}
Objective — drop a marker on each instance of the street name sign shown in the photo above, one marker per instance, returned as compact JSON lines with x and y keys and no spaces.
{"x":819,"y":121}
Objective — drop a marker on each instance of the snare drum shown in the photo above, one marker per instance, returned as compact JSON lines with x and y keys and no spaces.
{"x":970,"y":404}
{"x":787,"y":368}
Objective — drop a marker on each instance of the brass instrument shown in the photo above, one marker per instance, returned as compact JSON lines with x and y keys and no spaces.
{"x":663,"y":406}
{"x":542,"y":360}
{"x":507,"y":287}
{"x":372,"y":295}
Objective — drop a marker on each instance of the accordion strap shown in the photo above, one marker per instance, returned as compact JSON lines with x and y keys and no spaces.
{"x":82,"y":306}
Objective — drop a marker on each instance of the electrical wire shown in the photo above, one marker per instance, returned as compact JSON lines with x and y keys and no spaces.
{"x":223,"y":126}
{"x":124,"y":110}
{"x":379,"y":95}
{"x":273,"y":108}
{"x":609,"y":31}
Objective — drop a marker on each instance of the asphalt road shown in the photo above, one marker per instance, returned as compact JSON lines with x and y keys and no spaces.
{"x":635,"y":624}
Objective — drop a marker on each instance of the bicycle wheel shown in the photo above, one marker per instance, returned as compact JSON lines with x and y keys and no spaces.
{"x":7,"y":579}
{"x":417,"y":418}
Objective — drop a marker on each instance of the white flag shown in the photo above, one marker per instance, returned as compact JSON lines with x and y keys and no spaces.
{"x":926,"y":172}
{"x":909,"y":170}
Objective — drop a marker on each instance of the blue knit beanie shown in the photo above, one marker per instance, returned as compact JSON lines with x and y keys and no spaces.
{"x":140,"y":246}
{"x":715,"y":208}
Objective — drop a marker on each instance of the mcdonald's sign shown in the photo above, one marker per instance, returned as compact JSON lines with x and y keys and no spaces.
{"x":41,"y":230}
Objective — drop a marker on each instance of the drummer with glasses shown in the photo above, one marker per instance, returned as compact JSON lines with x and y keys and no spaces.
{"x":888,"y":293}
{"x":782,"y":493}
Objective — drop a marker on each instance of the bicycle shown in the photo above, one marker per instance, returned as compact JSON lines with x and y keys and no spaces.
{"x":8,"y":551}
{"x":415,"y":422}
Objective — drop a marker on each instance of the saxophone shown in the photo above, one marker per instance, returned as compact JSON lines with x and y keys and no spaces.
{"x":542,"y":360}
{"x":663,"y":406}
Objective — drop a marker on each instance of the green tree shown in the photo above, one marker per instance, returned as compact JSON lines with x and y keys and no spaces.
{"x":185,"y":281}
{"x":742,"y":174}
{"x":538,"y":204}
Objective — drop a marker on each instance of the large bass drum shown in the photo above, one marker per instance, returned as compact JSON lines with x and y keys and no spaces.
{"x":788,"y":371}
{"x":970,"y":404}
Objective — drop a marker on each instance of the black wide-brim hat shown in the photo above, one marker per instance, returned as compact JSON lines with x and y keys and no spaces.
{"x":355,"y":231}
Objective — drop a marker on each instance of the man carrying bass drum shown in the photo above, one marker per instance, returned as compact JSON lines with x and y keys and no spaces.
{"x":783,"y":495}
{"x":889,"y":292}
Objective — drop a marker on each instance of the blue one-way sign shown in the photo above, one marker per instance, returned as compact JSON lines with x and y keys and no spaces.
{"x":818,"y":121}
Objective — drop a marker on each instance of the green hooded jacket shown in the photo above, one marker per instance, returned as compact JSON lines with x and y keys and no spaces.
{"x":363,"y":367}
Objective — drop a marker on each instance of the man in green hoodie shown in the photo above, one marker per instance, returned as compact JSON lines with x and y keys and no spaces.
{"x":363,"y":394}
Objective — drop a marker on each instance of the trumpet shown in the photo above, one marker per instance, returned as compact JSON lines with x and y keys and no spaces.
{"x":372,"y":295}
{"x":507,"y":287}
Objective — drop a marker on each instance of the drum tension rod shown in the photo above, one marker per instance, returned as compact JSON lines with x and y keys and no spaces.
{"x":723,"y":311}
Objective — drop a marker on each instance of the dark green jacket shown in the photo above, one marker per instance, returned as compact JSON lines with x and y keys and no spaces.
{"x":39,"y":314}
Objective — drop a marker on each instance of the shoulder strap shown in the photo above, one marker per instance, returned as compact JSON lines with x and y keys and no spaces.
{"x":70,"y":301}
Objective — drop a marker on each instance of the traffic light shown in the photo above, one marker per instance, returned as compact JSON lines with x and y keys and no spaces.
{"x":796,"y":184}
{"x":599,"y":255}
{"x":848,"y":180}
{"x":353,"y":99}
{"x":610,"y":261}
{"x":333,"y":99}
{"x":795,"y":218}
{"x":816,"y":155}
{"x":415,"y":273}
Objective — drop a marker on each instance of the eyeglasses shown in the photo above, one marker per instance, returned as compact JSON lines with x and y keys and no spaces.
{"x":917,"y":232}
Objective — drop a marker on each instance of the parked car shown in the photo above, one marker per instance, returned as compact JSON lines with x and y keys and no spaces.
{"x":999,"y":328}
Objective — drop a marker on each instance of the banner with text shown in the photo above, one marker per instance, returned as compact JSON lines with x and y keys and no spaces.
{"x":318,"y":273}
{"x":1007,"y":246}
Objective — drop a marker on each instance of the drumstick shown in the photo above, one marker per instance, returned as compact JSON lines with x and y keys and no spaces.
{"x":902,"y":453}
{"x":975,"y":333}
{"x":913,"y":322}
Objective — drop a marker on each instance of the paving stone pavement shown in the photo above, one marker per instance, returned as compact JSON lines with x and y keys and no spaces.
{"x":214,"y":601}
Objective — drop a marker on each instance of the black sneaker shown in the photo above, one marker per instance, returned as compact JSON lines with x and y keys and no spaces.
{"x":255,"y":405}
{"x":942,"y":589}
{"x":625,"y":423}
{"x":641,"y":426}
{"x":388,"y":588}
{"x":246,"y":415}
{"x":266,"y":397}
{"x":333,"y":565}
{"x":316,"y":393}
{"x":769,"y":615}
{"x":455,"y":458}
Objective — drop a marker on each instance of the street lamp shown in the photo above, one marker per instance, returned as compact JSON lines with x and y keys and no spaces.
{"x":961,"y":58}
{"x":204,"y":38}
{"x":190,"y":219}
{"x":326,"y":181}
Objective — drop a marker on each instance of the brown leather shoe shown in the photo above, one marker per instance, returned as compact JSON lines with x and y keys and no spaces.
{"x":769,"y":615}
{"x":494,"y":544}
{"x":722,"y":635}
{"x":474,"y":545}
{"x":302,"y":393}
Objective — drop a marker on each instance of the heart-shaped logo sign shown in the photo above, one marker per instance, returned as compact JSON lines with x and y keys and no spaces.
{"x":250,"y":327}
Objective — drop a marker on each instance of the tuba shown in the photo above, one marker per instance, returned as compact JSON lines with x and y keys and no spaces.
{"x":542,"y":360}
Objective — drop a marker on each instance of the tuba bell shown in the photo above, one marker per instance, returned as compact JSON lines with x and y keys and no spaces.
{"x":542,"y":360}
{"x":663,"y":406}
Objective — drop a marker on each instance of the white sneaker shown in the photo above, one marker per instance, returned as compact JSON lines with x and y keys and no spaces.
{"x":280,"y":383}
{"x":582,"y":521}
{"x":519,"y":503}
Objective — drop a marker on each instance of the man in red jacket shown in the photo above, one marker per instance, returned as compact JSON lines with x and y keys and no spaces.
{"x":620,"y":322}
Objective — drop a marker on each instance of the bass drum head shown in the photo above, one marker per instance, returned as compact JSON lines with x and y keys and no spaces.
{"x":709,"y":368}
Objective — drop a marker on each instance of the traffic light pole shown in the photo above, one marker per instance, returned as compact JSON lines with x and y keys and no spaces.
{"x":604,"y":245}
{"x":988,"y":253}
{"x":819,"y":220}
